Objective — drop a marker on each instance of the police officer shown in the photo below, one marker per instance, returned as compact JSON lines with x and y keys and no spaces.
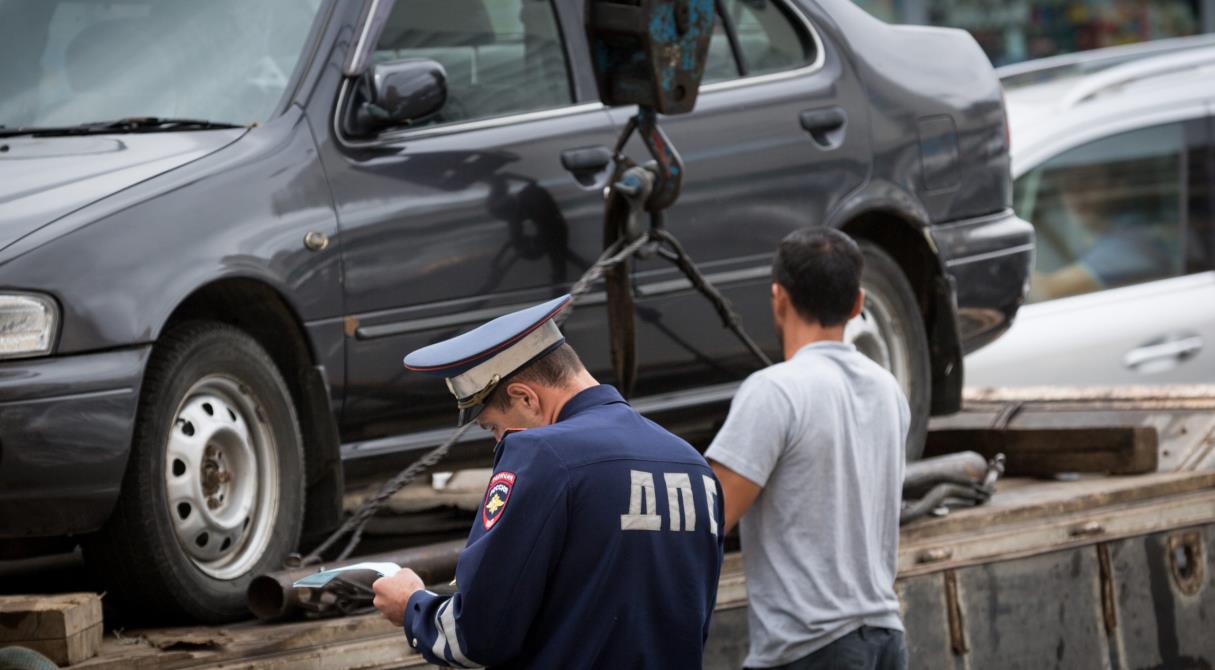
{"x":599,"y":540}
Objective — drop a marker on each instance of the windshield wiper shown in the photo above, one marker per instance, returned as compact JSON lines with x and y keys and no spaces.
{"x":134,"y":124}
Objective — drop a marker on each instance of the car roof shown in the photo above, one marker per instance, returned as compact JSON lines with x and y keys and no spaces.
{"x":1054,"y":103}
{"x":1071,"y":65}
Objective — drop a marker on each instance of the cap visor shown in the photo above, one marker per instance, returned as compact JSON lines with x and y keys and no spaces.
{"x":468,"y":414}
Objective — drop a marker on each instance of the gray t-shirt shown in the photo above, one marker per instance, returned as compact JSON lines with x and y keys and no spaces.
{"x":823,"y":433}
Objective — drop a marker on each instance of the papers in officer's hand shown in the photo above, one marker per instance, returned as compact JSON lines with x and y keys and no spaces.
{"x":360,"y":572}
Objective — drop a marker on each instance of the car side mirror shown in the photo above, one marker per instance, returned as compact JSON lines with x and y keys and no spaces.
{"x":397,"y":93}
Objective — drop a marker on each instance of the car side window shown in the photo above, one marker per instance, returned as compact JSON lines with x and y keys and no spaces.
{"x":1200,"y":226}
{"x":1109,"y":213}
{"x":501,"y":56}
{"x":769,"y":40}
{"x":719,"y":64}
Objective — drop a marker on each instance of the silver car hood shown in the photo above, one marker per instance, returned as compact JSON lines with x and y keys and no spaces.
{"x":45,"y":178}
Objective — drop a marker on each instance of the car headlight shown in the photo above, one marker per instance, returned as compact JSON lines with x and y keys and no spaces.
{"x":28,"y":323}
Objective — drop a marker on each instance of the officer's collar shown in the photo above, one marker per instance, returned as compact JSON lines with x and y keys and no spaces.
{"x":603,"y":394}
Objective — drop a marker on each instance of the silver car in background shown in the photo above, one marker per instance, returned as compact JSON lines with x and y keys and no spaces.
{"x":1113,"y":157}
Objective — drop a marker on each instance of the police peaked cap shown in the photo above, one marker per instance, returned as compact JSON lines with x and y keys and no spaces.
{"x":476,"y":362}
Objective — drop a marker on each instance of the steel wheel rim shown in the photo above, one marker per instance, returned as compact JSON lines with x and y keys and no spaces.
{"x":879,"y":336}
{"x":221,"y":477}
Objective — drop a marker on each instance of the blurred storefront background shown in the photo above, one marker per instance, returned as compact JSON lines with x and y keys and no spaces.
{"x":1011,"y":31}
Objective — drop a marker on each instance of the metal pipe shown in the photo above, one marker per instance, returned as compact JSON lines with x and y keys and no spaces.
{"x":937,"y":497}
{"x":964,"y":467}
{"x":271,"y":596}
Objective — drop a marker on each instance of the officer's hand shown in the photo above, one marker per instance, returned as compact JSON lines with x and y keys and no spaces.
{"x":392,"y":594}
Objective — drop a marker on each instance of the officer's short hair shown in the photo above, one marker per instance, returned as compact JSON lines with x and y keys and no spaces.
{"x":820,"y":268}
{"x":556,"y":368}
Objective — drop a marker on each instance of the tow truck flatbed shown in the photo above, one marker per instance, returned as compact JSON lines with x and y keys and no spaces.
{"x":1092,"y":571}
{"x":1027,"y":578}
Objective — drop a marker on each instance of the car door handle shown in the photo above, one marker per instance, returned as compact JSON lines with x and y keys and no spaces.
{"x":826,"y":126}
{"x":822,"y":120}
{"x":1177,"y":348}
{"x":586,"y":159}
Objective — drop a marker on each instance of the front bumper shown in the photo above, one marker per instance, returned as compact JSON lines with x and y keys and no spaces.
{"x":989,"y":259}
{"x":65,"y":432}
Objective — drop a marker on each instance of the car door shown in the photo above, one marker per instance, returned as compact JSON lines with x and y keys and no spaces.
{"x":778,"y":138}
{"x":1122,"y":286}
{"x":471,"y":215}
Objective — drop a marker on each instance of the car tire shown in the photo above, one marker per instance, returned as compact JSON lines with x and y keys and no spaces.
{"x":213,"y":492}
{"x":21,"y":658}
{"x":891,"y":331}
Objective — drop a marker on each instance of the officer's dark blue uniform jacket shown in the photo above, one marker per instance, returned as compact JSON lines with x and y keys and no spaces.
{"x":598,"y":545}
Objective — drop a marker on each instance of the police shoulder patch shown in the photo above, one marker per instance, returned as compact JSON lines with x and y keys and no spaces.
{"x":496,"y":497}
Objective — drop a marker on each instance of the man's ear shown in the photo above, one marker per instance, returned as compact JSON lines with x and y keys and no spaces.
{"x":780,"y":298}
{"x":859,"y":305}
{"x":526,"y":396}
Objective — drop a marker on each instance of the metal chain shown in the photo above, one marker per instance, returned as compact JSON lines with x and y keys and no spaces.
{"x":357,"y":521}
{"x":354,"y":525}
{"x":729,"y":318}
{"x":619,"y":252}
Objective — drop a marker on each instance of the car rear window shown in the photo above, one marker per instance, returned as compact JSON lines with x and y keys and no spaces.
{"x":770,"y":39}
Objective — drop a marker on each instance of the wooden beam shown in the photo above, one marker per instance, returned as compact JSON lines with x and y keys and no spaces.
{"x":65,"y":628}
{"x":1044,"y":452}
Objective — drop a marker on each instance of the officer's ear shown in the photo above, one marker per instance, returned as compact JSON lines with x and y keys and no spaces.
{"x":523,"y":394}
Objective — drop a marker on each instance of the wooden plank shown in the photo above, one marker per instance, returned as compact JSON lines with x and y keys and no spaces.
{"x":1184,"y":416}
{"x":65,"y":627}
{"x":207,"y":646}
{"x":1041,"y":452}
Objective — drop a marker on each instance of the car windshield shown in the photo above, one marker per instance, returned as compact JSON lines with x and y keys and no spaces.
{"x":70,"y":62}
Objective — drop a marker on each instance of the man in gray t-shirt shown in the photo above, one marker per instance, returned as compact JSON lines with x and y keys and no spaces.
{"x":811,"y":458}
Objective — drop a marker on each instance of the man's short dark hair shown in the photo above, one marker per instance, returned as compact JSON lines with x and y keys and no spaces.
{"x":820,"y":268}
{"x":557,"y":368}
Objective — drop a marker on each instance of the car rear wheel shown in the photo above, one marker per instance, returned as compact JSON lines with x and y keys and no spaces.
{"x":890,"y":331}
{"x":213,"y":493}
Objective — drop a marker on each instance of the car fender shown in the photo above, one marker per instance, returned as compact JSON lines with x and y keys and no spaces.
{"x":242,"y":212}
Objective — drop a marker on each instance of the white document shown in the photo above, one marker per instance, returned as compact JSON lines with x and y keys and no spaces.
{"x":369,"y":571}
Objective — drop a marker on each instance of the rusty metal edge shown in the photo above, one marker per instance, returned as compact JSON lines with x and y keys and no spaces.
{"x":1190,"y":539}
{"x":1069,"y":531}
{"x":1109,"y":609}
{"x":953,"y":609}
{"x":1163,"y":486}
{"x":1182,"y":394}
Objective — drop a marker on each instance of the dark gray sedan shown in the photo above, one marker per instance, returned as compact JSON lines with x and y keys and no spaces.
{"x":215,"y":247}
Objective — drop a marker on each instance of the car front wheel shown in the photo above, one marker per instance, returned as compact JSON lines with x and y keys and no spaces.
{"x":213,"y":493}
